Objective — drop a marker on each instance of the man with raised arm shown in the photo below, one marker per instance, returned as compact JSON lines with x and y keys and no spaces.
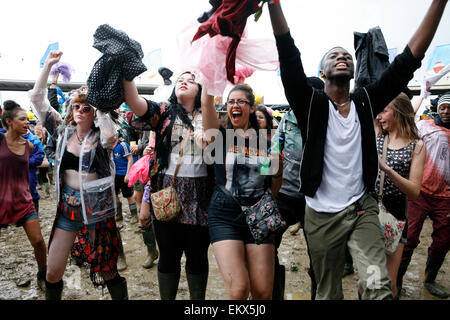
{"x":340,"y":161}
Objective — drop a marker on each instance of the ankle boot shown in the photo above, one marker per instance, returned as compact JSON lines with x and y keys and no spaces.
{"x":431,"y":270}
{"x":53,"y":291}
{"x":148,"y":235}
{"x":118,"y":288}
{"x":168,"y":285}
{"x":197,"y":285}
{"x":279,"y":282}
{"x":119,"y":215}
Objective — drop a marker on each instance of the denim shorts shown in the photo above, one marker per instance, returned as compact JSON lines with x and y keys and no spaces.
{"x":28,"y":217}
{"x":72,"y":225}
{"x":71,"y":196}
{"x":226,"y":221}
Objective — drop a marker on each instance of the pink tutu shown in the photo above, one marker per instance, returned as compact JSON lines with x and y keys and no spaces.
{"x":206,"y":56}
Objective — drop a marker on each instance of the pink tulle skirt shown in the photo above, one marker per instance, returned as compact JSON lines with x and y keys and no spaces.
{"x":206,"y":57}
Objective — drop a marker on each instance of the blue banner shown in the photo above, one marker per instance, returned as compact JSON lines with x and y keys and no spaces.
{"x":52,"y":46}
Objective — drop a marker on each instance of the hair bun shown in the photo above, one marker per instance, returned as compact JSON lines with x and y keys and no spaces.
{"x":10,"y":105}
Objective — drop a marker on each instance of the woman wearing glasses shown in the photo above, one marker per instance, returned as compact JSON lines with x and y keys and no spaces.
{"x":188,"y":232}
{"x":84,"y":176}
{"x":240,"y":173}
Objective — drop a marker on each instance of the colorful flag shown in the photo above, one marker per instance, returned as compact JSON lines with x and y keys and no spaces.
{"x":440,"y":57}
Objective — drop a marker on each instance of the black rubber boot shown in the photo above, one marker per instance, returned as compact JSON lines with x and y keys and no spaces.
{"x":168,"y":285}
{"x":401,"y":273}
{"x":53,"y":291}
{"x":431,"y":270}
{"x":118,"y":288}
{"x":119,"y":214}
{"x":348,"y":267}
{"x":279,"y":282}
{"x":148,"y":235}
{"x":313,"y":283}
{"x":197,"y":285}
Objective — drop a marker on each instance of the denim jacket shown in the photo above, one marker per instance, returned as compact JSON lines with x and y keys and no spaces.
{"x":288,"y":139}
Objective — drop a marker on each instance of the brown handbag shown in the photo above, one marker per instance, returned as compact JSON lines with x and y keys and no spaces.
{"x":165,"y":202}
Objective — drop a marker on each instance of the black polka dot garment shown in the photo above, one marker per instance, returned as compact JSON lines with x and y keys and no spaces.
{"x":122,"y":58}
{"x":399,"y":160}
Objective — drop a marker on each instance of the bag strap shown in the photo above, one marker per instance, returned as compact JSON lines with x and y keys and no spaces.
{"x":180,"y":155}
{"x":228,"y":193}
{"x":382,"y":173}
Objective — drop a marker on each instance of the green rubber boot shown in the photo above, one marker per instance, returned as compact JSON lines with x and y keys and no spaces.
{"x":168,"y":285}
{"x":197,"y":285}
{"x":148,"y":234}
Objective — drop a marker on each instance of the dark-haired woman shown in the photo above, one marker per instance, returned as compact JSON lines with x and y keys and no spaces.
{"x":265,"y":120}
{"x":188,"y":232}
{"x":84,"y":177}
{"x":239,"y":157}
{"x":16,"y":203}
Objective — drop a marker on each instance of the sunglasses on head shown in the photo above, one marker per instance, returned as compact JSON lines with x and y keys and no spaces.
{"x":81,"y":108}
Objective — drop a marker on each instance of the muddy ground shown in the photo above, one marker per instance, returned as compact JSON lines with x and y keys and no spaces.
{"x":18,"y":268}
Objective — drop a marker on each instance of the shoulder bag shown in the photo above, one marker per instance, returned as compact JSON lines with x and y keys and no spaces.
{"x":391,"y":227}
{"x":263,"y":218}
{"x":165,"y":202}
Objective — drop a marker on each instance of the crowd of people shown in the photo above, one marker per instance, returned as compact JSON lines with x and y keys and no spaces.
{"x":331,"y":163}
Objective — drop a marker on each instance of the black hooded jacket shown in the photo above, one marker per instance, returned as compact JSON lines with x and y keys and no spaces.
{"x":310,"y":107}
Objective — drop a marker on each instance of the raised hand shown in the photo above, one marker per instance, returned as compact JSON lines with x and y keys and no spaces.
{"x":53,"y":57}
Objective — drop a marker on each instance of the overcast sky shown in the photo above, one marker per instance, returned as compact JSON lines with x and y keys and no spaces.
{"x":27,"y":27}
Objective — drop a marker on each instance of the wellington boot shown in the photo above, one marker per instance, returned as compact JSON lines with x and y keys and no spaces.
{"x":400,"y":274}
{"x":119,"y":215}
{"x":47,"y":189}
{"x":432,"y":267}
{"x":53,"y":291}
{"x":40,"y":280}
{"x":279,"y":282}
{"x":197,"y":285}
{"x":148,"y":235}
{"x":119,"y":290}
{"x":168,"y":285}
{"x":121,"y":261}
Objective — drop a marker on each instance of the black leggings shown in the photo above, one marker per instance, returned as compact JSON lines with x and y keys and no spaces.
{"x":175,"y":238}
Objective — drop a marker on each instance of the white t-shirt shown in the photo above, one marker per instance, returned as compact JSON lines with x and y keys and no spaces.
{"x":342,"y":176}
{"x":192,"y":164}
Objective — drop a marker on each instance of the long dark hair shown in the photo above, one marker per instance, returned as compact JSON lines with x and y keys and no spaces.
{"x":178,"y":108}
{"x":252,"y":121}
{"x":10,"y":110}
{"x":269,"y":119}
